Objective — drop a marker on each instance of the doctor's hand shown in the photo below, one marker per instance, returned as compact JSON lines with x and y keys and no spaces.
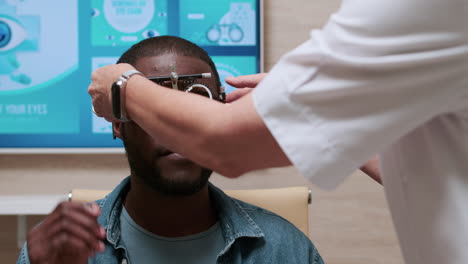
{"x":100,"y":88}
{"x":371,"y":168}
{"x":244,"y":83}
{"x":70,"y":234}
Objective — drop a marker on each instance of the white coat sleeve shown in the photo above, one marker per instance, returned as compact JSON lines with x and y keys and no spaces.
{"x":377,"y":70}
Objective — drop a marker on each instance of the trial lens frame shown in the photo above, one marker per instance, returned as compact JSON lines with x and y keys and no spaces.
{"x":174,"y":78}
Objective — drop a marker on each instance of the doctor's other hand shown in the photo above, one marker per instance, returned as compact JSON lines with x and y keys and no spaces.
{"x":70,"y":234}
{"x":244,"y":85}
{"x":100,"y":88}
{"x":371,"y":168}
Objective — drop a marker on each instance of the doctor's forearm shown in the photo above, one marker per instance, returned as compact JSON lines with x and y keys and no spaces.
{"x":228,"y":138}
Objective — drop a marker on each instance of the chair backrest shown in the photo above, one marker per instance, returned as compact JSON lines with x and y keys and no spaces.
{"x":291,"y":202}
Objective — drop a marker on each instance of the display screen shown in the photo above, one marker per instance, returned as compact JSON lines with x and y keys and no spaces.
{"x":49,"y":48}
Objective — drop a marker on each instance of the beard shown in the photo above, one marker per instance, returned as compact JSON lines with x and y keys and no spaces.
{"x":147,"y":170}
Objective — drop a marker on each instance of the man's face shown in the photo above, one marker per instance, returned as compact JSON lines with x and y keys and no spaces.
{"x":161,"y":169}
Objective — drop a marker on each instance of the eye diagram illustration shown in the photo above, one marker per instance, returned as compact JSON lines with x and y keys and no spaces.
{"x":149,"y":33}
{"x":234,"y":32}
{"x":38,"y":44}
{"x":124,"y":22}
{"x":12,"y":34}
{"x":234,"y":28}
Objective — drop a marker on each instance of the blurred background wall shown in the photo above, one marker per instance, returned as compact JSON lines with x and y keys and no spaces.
{"x":350,"y":225}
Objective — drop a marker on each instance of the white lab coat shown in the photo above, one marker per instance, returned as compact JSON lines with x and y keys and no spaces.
{"x":388,"y":77}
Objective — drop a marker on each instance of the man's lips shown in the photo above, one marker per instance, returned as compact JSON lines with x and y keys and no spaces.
{"x":172,"y":157}
{"x":165,"y":152}
{"x":170,"y":154}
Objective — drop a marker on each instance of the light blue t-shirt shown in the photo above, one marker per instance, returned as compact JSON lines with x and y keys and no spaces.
{"x":146,"y":247}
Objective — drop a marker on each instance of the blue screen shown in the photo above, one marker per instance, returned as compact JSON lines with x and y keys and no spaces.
{"x":49,"y":48}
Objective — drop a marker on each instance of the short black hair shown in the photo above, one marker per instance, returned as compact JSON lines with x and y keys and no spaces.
{"x":161,"y":45}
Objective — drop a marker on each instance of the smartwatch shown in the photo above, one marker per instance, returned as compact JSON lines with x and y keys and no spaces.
{"x":118,"y":95}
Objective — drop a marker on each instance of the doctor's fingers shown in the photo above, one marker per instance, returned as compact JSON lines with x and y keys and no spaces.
{"x":95,"y":98}
{"x":102,"y":106}
{"x":246,"y":81}
{"x":236,"y":94}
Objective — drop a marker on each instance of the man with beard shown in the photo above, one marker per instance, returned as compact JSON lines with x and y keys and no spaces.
{"x":166,"y":211}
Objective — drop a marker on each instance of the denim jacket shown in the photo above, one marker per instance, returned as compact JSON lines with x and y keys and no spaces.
{"x":251,"y":234}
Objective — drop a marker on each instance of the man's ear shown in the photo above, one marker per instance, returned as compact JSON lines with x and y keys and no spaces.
{"x":117,"y":129}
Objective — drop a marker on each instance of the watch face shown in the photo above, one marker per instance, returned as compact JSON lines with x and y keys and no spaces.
{"x":116,"y":98}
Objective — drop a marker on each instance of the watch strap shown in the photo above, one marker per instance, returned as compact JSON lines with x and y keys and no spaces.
{"x":123,"y":93}
{"x":129,"y":74}
{"x":118,"y":93}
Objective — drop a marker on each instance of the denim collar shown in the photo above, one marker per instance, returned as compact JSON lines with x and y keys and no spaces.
{"x":111,"y":207}
{"x":234,"y":220}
